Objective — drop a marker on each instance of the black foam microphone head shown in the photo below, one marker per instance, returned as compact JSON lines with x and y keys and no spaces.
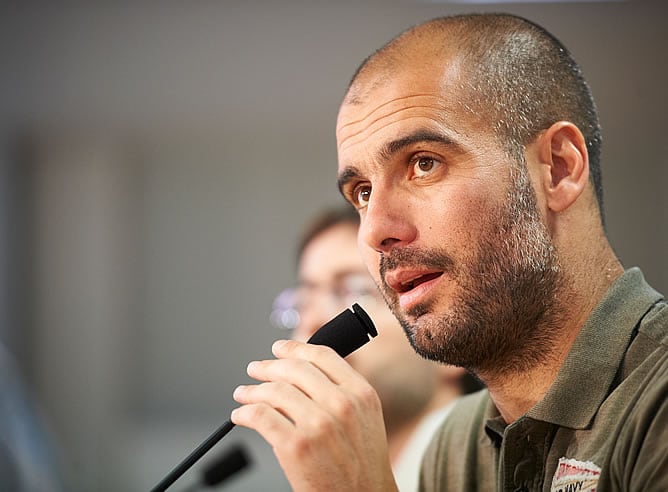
{"x":235,"y":459}
{"x":347,"y":332}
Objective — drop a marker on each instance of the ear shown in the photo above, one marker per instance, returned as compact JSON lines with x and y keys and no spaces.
{"x":565,"y":172}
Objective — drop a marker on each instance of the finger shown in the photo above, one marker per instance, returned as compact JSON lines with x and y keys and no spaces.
{"x":265,"y":420}
{"x":286,"y":370}
{"x":325,"y":358}
{"x":324,"y":377}
{"x":302,"y":393}
{"x":308,"y":422}
{"x":299,"y":374}
{"x":284,"y":398}
{"x":301,"y":454}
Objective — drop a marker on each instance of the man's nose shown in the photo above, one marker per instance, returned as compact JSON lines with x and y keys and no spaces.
{"x":387,"y":222}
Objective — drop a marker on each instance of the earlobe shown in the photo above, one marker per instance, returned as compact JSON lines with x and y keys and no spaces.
{"x":563,"y":150}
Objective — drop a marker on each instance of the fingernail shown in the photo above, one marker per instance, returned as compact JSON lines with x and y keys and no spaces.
{"x":238,"y":391}
{"x":278,"y":345}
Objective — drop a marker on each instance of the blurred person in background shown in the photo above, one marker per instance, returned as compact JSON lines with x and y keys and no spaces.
{"x":27,"y":459}
{"x":416,"y":395}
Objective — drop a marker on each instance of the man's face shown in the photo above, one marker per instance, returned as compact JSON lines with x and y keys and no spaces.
{"x":449,"y":224}
{"x":332,"y":275}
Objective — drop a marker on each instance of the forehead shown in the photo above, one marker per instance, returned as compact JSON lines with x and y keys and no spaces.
{"x":427,"y":94}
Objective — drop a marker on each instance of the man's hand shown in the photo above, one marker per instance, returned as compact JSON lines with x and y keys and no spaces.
{"x":323,"y":419}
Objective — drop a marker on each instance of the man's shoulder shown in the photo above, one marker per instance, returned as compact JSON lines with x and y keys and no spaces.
{"x":654,"y":323}
{"x":638,"y":456}
{"x":645,"y":358}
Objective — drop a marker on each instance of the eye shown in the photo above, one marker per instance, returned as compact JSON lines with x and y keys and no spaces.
{"x":425,"y":165}
{"x":361,"y":195}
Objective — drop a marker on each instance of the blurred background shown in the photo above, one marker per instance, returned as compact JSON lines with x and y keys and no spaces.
{"x":157,"y":163}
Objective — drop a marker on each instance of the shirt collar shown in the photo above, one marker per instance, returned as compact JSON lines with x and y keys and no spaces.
{"x":585,"y":378}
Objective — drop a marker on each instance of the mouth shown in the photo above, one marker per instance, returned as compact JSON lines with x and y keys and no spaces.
{"x":403,"y":286}
{"x":407,"y":280}
{"x":412,"y":286}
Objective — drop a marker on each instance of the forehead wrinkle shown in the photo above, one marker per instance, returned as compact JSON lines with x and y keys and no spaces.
{"x":396,"y":99}
{"x":372,"y":123}
{"x":346,"y":143}
{"x":369,"y":123}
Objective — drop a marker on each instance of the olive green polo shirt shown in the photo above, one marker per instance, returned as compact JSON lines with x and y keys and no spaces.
{"x":602,"y":425}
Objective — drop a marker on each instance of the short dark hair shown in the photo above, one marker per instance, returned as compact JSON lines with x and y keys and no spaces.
{"x":516,"y":75}
{"x":325,"y":220}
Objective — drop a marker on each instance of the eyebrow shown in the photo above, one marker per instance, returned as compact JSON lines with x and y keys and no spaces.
{"x":391,"y":148}
{"x":349,"y":174}
{"x":420,"y":136}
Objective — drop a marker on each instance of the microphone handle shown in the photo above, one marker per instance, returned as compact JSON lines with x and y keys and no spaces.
{"x":345,"y":333}
{"x":190,"y":460}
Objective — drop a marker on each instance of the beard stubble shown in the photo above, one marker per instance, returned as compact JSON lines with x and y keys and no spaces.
{"x":503,"y":316}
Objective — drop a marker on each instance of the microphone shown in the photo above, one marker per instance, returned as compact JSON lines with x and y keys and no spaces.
{"x":345,"y":333}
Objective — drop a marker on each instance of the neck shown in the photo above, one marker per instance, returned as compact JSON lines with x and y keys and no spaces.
{"x":515,"y":393}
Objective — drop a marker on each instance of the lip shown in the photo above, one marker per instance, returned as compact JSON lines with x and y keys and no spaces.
{"x":401,"y":282}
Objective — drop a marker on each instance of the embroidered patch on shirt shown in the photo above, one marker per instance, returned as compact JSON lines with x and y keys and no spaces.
{"x":575,"y":476}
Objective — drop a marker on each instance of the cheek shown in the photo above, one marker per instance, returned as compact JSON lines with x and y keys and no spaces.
{"x":456,"y":218}
{"x":443,"y":219}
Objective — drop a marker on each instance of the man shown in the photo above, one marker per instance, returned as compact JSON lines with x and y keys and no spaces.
{"x":416,"y":395}
{"x":470,"y":146}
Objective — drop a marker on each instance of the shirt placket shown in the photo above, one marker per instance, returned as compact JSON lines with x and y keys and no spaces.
{"x":522,"y":460}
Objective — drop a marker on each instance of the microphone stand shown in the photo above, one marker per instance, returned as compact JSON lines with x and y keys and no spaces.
{"x":190,"y":460}
{"x":345,"y":333}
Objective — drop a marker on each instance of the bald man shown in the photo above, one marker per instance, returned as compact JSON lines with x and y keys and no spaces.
{"x":470,"y":146}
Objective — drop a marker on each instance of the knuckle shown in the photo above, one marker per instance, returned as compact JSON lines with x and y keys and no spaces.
{"x":256,"y":392}
{"x":369,"y":397}
{"x":285,"y":369}
{"x":342,"y":406}
{"x":299,"y":446}
{"x":249,"y":413}
{"x":272,"y":392}
{"x":321,"y":426}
